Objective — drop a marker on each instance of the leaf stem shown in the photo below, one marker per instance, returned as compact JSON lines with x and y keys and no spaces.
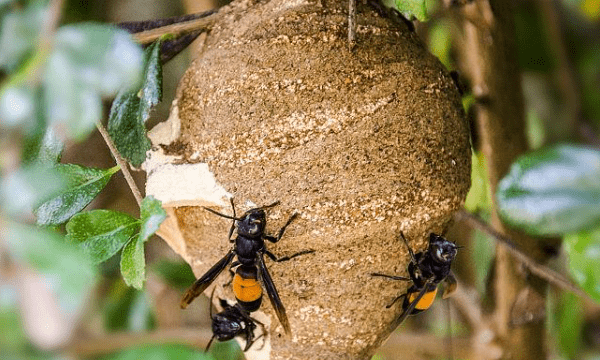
{"x":121,"y":162}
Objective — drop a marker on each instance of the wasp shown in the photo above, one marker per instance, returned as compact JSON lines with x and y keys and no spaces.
{"x":249,"y":247}
{"x":234,"y":320}
{"x":426,"y":270}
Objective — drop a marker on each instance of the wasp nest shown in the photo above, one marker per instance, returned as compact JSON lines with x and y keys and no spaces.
{"x":362,"y":144}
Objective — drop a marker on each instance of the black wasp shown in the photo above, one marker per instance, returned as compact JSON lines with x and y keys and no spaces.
{"x":231,"y":322}
{"x":426,"y":269}
{"x":249,"y":247}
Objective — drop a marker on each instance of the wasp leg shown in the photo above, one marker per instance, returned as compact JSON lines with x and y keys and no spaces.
{"x":412,"y":254}
{"x":273,"y":295}
{"x":393,"y":277}
{"x":263,"y":332}
{"x":201,"y":284}
{"x":286,"y":258}
{"x":274,"y":239}
{"x":411,"y":306}
{"x":395,"y":300}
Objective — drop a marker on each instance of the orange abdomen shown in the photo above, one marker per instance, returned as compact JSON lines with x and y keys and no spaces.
{"x":246,"y":290}
{"x":425,"y":302}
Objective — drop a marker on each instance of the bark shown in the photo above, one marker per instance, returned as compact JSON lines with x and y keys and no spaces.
{"x":490,"y":61}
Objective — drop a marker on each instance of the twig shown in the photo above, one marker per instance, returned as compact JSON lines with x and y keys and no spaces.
{"x":205,"y":23}
{"x":351,"y":24}
{"x":539,"y":270}
{"x":122,"y":163}
{"x":87,"y":347}
{"x":469,"y":307}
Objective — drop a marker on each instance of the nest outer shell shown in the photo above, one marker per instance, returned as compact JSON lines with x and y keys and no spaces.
{"x":362,"y":144}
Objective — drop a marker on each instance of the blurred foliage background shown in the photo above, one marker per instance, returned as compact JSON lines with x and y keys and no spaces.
{"x":54,"y":304}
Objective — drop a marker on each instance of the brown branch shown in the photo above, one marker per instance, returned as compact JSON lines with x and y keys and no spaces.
{"x":489,"y":59}
{"x":411,"y":346}
{"x":205,"y":23}
{"x":87,"y":347}
{"x":537,"y":269}
{"x":122,"y":163}
{"x":567,"y":83}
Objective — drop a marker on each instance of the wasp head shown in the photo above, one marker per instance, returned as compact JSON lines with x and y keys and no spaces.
{"x":252,"y":223}
{"x":226,"y":325}
{"x":442,"y":250}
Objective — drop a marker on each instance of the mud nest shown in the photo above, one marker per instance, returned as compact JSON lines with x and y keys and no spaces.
{"x":362,"y":144}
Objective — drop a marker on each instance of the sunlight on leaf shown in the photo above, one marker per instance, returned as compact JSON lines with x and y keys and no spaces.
{"x":133,"y":263}
{"x":131,"y":109}
{"x":151,"y":215}
{"x":583,"y":249}
{"x":84,"y":184}
{"x":552,"y":191}
{"x":101,"y":233}
{"x":410,"y":9}
{"x":18,"y":34}
{"x":89,"y":62}
{"x":24,"y":189}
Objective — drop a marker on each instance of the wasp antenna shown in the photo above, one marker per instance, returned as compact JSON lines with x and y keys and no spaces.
{"x":412,"y":254}
{"x":222,"y":215}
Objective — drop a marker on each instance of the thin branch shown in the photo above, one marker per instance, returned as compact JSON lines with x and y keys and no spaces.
{"x":205,"y":23}
{"x":122,"y":163}
{"x":469,"y":307}
{"x":539,"y":270}
{"x":351,"y":24}
{"x":87,"y":347}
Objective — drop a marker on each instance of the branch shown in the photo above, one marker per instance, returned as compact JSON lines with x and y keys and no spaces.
{"x":177,"y":29}
{"x":122,"y":163}
{"x":88,"y":347}
{"x":537,"y":269}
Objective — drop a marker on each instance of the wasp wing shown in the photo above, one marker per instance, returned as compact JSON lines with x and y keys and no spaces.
{"x":411,"y":306}
{"x":273,"y":295}
{"x":201,"y":284}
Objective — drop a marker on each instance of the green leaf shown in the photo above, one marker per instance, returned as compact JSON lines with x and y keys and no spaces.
{"x":569,"y":318}
{"x":583,"y":249}
{"x":155,"y":352}
{"x":89,"y":61}
{"x":132,"y":258}
{"x":151,"y":215}
{"x":40,"y":143}
{"x":176,"y":273}
{"x":83,"y":186}
{"x":25,"y":188}
{"x":126,"y":309}
{"x":101,"y":233}
{"x":226,"y":350}
{"x":130,"y":110}
{"x":67,"y":269}
{"x":118,"y":304}
{"x":18,"y":34}
{"x":552,"y":191}
{"x":410,"y":9}
{"x":478,"y":197}
{"x":133,"y":263}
